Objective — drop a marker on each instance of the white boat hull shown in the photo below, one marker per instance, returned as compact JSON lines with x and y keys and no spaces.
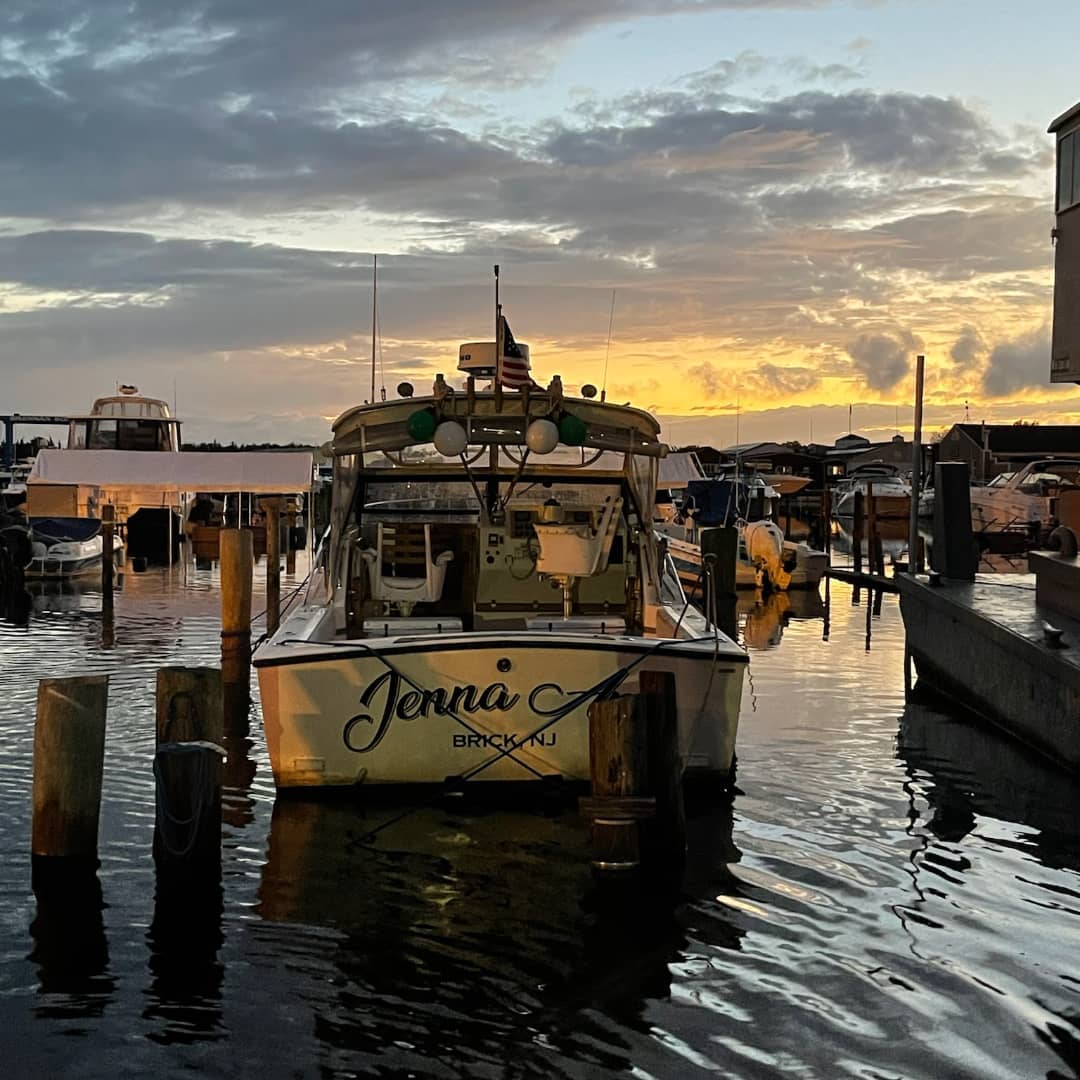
{"x":507,"y":706}
{"x":72,"y":559}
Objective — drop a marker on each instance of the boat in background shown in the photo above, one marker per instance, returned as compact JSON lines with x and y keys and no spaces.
{"x":68,"y":548}
{"x":892,"y":492}
{"x":764,"y":559}
{"x":151,"y":522}
{"x":491,"y":571}
{"x":1025,"y":500}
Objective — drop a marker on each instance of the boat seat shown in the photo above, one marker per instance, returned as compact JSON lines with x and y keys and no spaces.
{"x":578,"y":550}
{"x":401,"y":546}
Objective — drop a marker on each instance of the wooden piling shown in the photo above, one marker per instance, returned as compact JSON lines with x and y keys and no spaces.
{"x":955,"y":554}
{"x":872,"y":530}
{"x":826,"y":521}
{"x":719,"y":549}
{"x":187,"y":826}
{"x":272,"y":509}
{"x":236,"y":569}
{"x":856,"y":542}
{"x":618,"y":766}
{"x":290,"y":546}
{"x":665,"y":848}
{"x":69,"y":752}
{"x":190,"y":705}
{"x":915,"y":562}
{"x":108,"y":523}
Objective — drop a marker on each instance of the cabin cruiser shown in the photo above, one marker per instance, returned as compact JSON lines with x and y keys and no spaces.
{"x":118,"y":431}
{"x":765,"y":559}
{"x":68,"y":548}
{"x":1026,"y":499}
{"x":892,"y":493}
{"x":490,"y":571}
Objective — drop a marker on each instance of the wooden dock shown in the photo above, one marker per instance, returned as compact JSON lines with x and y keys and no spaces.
{"x":863,"y":580}
{"x":988,"y":646}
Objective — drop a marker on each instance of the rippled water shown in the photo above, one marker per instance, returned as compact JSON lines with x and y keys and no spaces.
{"x":891,"y":893}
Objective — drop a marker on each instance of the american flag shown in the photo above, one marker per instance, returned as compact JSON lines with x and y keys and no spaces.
{"x":513,"y":367}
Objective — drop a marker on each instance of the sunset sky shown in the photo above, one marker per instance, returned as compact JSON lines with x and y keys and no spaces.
{"x":790,"y":200}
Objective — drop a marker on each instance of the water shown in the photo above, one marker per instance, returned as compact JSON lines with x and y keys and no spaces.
{"x":891,"y":893}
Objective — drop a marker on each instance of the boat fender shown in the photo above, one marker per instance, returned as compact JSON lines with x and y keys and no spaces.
{"x":1063,"y":541}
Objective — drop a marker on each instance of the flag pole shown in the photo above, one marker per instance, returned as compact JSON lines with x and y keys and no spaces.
{"x":498,"y":343}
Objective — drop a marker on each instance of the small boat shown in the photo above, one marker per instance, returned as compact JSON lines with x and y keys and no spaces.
{"x":68,"y":548}
{"x":764,"y":558}
{"x":1027,"y":499}
{"x":489,"y":572}
{"x":892,"y":493}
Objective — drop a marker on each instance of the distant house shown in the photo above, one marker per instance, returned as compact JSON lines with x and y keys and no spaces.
{"x":990,"y":449}
{"x":897,"y":451}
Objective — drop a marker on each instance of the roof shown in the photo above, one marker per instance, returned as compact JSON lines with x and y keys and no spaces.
{"x":161,"y":471}
{"x":677,"y":470}
{"x":1006,"y":439}
{"x":1060,"y":121}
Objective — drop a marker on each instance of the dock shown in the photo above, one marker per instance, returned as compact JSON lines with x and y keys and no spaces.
{"x":990,"y":647}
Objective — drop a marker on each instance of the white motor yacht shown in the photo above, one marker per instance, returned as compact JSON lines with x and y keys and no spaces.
{"x":490,"y":571}
{"x":892,"y":492}
{"x":1026,"y":499}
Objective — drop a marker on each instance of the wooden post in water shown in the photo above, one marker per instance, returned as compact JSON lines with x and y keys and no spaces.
{"x":915,"y":562}
{"x":188,"y":768}
{"x":190,"y":705}
{"x":618,"y":767}
{"x":272,"y":509}
{"x":236,"y":568}
{"x":856,"y":543}
{"x":187,"y":826}
{"x":954,"y":554}
{"x":826,"y":520}
{"x":69,"y":752}
{"x":719,"y":550}
{"x":666,"y":848}
{"x":290,"y":547}
{"x":108,"y":523}
{"x":871,"y":531}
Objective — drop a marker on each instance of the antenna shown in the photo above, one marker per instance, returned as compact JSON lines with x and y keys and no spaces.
{"x":374,"y":295}
{"x":737,"y":410}
{"x":849,"y":418}
{"x":607,"y":352}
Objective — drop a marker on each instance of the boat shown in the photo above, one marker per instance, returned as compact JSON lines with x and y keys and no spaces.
{"x":892,"y":493}
{"x":68,"y":548}
{"x":13,"y":484}
{"x":764,"y":559}
{"x":490,"y":570}
{"x":1025,"y":500}
{"x":150,"y":520}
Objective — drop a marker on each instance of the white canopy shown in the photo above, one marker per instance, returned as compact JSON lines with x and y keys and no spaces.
{"x":159,"y":471}
{"x":677,"y":470}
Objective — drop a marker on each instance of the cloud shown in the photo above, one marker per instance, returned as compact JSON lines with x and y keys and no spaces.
{"x":1018,"y":364}
{"x":969,"y":346}
{"x":883,"y":359}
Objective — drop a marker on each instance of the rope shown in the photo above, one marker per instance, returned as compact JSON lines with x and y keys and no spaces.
{"x":202,"y":789}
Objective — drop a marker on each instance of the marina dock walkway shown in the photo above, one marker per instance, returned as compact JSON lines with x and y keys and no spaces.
{"x":988,"y":646}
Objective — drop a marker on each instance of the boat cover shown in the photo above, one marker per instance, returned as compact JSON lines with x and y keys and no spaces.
{"x":677,"y":470}
{"x":55,"y":530}
{"x":149,"y":471}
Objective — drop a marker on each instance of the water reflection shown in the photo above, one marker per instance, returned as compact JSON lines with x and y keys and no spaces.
{"x":893,"y":533}
{"x":975,"y":771}
{"x":471,"y":938}
{"x":184,"y":993}
{"x":70,"y":948}
{"x":765,"y":616}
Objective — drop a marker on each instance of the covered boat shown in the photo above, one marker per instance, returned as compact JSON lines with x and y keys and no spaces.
{"x":490,"y":571}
